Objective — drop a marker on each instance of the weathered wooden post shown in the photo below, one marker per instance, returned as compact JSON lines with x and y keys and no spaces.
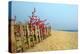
{"x":29,"y":33}
{"x":30,"y":37}
{"x":24,"y":36}
{"x":49,"y":30}
{"x":33,"y":28}
{"x":18,"y":36}
{"x":35,"y":34}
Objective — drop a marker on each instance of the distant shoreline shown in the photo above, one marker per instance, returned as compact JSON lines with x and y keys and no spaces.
{"x":67,"y":30}
{"x":71,"y":30}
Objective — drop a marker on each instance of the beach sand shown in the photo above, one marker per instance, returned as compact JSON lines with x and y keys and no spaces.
{"x":59,"y":40}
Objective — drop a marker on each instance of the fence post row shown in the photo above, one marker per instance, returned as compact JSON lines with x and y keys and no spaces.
{"x":26,"y":35}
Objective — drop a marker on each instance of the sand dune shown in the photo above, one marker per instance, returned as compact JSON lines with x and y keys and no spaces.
{"x":59,"y":40}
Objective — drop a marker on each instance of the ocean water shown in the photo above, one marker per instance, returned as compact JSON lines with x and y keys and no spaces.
{"x":71,"y":30}
{"x":67,"y":30}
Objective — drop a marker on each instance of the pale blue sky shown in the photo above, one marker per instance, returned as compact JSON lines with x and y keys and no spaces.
{"x":60,"y":16}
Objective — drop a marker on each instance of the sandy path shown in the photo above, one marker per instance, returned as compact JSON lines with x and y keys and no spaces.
{"x":58,"y":41}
